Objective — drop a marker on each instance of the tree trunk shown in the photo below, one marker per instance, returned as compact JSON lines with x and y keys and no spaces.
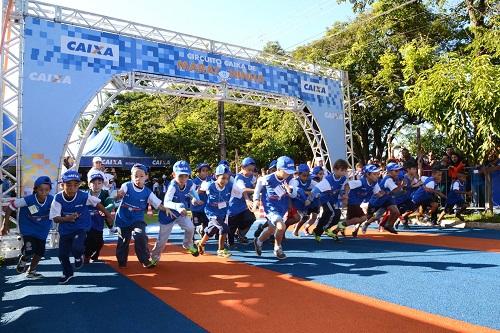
{"x":476,"y":12}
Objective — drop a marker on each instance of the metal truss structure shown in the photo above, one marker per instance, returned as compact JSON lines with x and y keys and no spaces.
{"x":12,"y":52}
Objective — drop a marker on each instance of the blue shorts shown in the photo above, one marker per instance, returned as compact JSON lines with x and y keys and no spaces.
{"x":216,"y":225}
{"x":274,"y":217}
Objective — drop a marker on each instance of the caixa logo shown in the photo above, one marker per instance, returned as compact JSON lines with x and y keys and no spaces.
{"x":89,"y":48}
{"x":334,"y":115}
{"x":50,"y":78}
{"x":314,"y":88}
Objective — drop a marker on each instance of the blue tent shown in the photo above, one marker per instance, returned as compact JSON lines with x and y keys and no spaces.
{"x":117,"y":154}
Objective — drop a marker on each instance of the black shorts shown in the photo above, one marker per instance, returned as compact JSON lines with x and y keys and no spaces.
{"x":406,"y":206}
{"x":243,"y":220}
{"x":354,"y":211}
{"x":33,"y":245}
{"x":313,"y":210}
{"x":200,"y":218}
{"x":450,"y":208}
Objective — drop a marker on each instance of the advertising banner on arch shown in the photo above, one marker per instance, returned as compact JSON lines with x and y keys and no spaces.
{"x":65,"y":66}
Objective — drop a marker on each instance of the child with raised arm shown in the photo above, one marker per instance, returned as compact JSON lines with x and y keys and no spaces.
{"x":71,"y":210}
{"x":34,"y":225}
{"x":130,"y":217}
{"x":181,"y":195}
{"x":219,"y":193}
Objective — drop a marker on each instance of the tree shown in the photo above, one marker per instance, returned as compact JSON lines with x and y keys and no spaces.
{"x":369,"y":49}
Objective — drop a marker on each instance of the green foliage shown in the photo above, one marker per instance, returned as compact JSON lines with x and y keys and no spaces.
{"x":187,"y":129}
{"x":431,"y":140}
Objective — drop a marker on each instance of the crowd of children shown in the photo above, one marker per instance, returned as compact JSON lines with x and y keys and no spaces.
{"x":223,"y":205}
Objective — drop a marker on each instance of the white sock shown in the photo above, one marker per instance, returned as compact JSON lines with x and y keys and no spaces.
{"x":276,"y":247}
{"x":259,"y":242}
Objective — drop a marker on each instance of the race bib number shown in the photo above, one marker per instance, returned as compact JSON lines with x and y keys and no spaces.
{"x":33,"y":209}
{"x":221,"y":205}
{"x":279,"y":191}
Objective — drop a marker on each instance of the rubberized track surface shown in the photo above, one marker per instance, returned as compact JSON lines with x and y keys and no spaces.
{"x":414,"y":282}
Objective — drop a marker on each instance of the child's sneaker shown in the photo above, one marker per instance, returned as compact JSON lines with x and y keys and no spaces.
{"x":149,"y":264}
{"x":258,"y":248}
{"x":364,"y":227}
{"x":317,"y":238}
{"x":259,"y":230}
{"x":331,"y":234}
{"x":78,"y":263}
{"x":223,"y":253}
{"x":201,"y":248}
{"x":64,"y":279}
{"x":33,"y":275}
{"x":280,"y":254}
{"x":243,"y":240}
{"x":193,"y":251}
{"x":22,"y":265}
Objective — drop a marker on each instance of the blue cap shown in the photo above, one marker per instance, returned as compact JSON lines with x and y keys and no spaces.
{"x":202,"y":165}
{"x":247,"y":161}
{"x":70,"y":175}
{"x":393,"y":167}
{"x":316,"y":170}
{"x":43,"y":180}
{"x":182,"y":168}
{"x":369,"y":168}
{"x":96,"y":175}
{"x":303,"y":168}
{"x":286,"y":164}
{"x":221,"y":170}
{"x":223,"y":162}
{"x":140,"y":167}
{"x":272,"y":164}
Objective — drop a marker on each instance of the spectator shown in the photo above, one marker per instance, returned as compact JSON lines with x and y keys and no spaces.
{"x":456,"y":166}
{"x":449,"y":151}
{"x":406,"y":157}
{"x":431,"y":159}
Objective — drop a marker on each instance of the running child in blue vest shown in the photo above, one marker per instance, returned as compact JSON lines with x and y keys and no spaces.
{"x":219,"y":194}
{"x":241,"y":216}
{"x":332,"y":187}
{"x":357,"y":192}
{"x":180,"y":197}
{"x":276,"y":194}
{"x":385,"y":202}
{"x":410,"y":183}
{"x":34,"y":225}
{"x":306,"y":205}
{"x":270,"y":169}
{"x":94,"y":240}
{"x":71,"y":210}
{"x":129,"y":218}
{"x":200,"y":219}
{"x":455,"y":203}
{"x":426,"y":195}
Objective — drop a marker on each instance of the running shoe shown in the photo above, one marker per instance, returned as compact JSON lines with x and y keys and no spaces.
{"x":364,"y":227}
{"x":331,"y":234}
{"x":201,"y":248}
{"x":79,"y":262}
{"x":22,"y":265}
{"x":317,"y":238}
{"x":243,"y":240}
{"x":223,"y":253}
{"x":193,"y":251}
{"x":65,"y":278}
{"x":150,"y":264}
{"x":258,"y":248}
{"x":390,"y":229}
{"x":280,"y":254}
{"x":33,"y":275}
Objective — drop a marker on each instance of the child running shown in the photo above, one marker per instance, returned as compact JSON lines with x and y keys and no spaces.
{"x":181,"y":193}
{"x":34,"y":225}
{"x":70,"y":209}
{"x":456,"y":197}
{"x":200,"y":219}
{"x":331,"y":186}
{"x":130,"y":217}
{"x":308,"y":208}
{"x":426,"y":195}
{"x":94,"y":240}
{"x":276,"y":194}
{"x":219,"y":194}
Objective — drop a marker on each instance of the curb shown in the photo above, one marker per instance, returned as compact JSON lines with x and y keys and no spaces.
{"x":470,"y":225}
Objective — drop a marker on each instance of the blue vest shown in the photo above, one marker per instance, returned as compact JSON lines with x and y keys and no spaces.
{"x":95,"y":215}
{"x":181,"y":197}
{"x":203,"y":196}
{"x":273,"y":203}
{"x":38,"y":224}
{"x":238,"y":205}
{"x":77,"y":205}
{"x":377,"y":201}
{"x":218,"y":200}
{"x":453,"y":197}
{"x":420,"y":195}
{"x":332,"y":196}
{"x":133,"y":206}
{"x":362,"y":193}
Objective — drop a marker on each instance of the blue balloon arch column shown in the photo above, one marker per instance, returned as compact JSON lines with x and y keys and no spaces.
{"x":60,"y":65}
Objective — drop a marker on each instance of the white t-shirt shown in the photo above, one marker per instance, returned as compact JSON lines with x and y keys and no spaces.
{"x":431,"y":184}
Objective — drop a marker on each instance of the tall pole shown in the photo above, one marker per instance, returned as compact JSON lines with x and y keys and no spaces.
{"x":222,"y":136}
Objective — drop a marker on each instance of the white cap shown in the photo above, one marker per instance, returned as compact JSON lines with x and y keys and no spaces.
{"x":96,"y":159}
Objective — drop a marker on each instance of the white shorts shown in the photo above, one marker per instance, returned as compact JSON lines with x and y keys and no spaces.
{"x":274,"y":217}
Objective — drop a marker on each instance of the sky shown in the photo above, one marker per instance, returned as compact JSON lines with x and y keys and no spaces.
{"x":244,"y":23}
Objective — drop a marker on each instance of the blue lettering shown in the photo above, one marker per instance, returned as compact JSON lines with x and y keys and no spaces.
{"x":71,"y":46}
{"x":108,"y":52}
{"x":80,"y":47}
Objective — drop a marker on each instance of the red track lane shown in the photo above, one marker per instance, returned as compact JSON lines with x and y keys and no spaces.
{"x":223,"y":295}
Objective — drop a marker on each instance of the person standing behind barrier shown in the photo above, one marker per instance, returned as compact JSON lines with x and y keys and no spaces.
{"x":276,"y":195}
{"x":34,"y":225}
{"x":130,"y":217}
{"x":70,"y":209}
{"x":200,"y":219}
{"x":241,"y":216}
{"x":181,"y":195}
